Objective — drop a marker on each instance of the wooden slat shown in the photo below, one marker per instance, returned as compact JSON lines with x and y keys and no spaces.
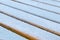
{"x":33,"y":24}
{"x":18,"y":32}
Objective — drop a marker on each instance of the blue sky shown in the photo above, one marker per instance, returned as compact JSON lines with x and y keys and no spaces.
{"x":41,"y":34}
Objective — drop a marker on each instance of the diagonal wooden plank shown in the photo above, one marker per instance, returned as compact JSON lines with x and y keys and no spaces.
{"x":18,"y":32}
{"x":33,"y":24}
